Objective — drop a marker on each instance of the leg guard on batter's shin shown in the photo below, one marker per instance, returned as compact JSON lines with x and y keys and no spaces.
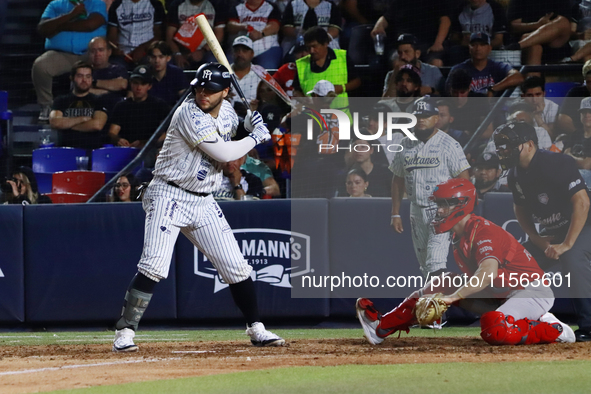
{"x":399,"y":318}
{"x":136,"y":303}
{"x":498,"y":329}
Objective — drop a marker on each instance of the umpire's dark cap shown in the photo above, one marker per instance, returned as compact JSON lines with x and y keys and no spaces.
{"x":424,"y":107}
{"x":212,"y":76}
{"x":516,"y":133}
{"x":480,"y":37}
{"x":142,"y":73}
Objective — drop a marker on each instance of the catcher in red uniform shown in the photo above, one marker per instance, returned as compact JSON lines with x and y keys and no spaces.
{"x":502,"y":282}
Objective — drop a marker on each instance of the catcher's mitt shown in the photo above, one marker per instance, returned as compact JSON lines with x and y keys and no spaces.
{"x":429,"y":308}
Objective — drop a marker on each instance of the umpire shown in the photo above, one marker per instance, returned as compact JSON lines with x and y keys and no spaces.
{"x":548,"y":189}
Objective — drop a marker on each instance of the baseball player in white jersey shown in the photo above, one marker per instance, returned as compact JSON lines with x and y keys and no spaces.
{"x":179,"y":200}
{"x":423,"y":164}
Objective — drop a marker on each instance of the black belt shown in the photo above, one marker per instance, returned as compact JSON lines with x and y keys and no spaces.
{"x":188,"y":191}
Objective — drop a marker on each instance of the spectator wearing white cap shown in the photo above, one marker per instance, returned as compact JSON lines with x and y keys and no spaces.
{"x":323,"y":88}
{"x":243,"y":52}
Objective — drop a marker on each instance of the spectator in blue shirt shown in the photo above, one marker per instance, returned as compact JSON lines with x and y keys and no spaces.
{"x":488,"y":76}
{"x":169,"y":81}
{"x":67,"y":29}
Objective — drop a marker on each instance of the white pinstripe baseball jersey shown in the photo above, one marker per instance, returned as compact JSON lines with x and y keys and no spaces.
{"x":424,"y":165}
{"x":181,"y":161}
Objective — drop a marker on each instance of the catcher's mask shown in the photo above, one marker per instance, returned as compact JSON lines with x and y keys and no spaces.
{"x":454,"y":199}
{"x":508,"y":139}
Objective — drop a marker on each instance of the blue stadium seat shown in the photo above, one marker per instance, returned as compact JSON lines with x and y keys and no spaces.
{"x":556,"y":91}
{"x":46,"y":161}
{"x":111,"y":160}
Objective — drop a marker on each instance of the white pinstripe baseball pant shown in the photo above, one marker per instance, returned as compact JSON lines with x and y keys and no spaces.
{"x":431,"y":249}
{"x":170,"y":210}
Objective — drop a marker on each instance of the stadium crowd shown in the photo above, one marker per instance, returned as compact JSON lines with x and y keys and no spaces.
{"x":127,"y":61}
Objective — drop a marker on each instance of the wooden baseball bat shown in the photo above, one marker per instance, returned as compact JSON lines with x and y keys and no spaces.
{"x":219,"y":54}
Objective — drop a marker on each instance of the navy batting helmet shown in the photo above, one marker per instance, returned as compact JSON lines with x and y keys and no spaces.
{"x":212,"y":76}
{"x":508,"y":138}
{"x":424,"y":107}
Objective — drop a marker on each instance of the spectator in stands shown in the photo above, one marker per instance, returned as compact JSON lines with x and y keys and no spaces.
{"x":357,"y":183}
{"x":543,"y":29}
{"x":125,"y":190}
{"x":446,"y":118}
{"x":324,"y":63}
{"x":178,"y":13}
{"x":475,"y":16}
{"x":67,"y":29}
{"x":271,"y":107}
{"x":487,"y":174}
{"x":525,"y":112}
{"x":169,"y":82}
{"x":22,"y":189}
{"x":425,"y":19}
{"x":378,"y":176}
{"x":408,"y":53}
{"x":469,"y":107}
{"x":300,"y":15}
{"x":406,"y":86}
{"x":242,"y":66}
{"x":238,"y":183}
{"x":133,"y":26}
{"x":261,"y":21}
{"x":109,"y":81}
{"x":287,"y":72}
{"x":136,"y":118}
{"x":579,"y":144}
{"x":389,"y":147}
{"x":546,"y":111}
{"x":360,"y":12}
{"x":261,"y":170}
{"x":79,"y":116}
{"x":568,"y":118}
{"x":488,"y":76}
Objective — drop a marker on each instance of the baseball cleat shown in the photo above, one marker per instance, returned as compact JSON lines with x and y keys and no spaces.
{"x":567,"y":335}
{"x":368,"y":316}
{"x":123,"y":342}
{"x":260,"y":337}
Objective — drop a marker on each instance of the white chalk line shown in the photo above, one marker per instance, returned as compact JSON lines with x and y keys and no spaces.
{"x":24,"y":371}
{"x":193,"y":351}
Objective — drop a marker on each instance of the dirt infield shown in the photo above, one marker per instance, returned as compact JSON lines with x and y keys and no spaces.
{"x":26,"y":369}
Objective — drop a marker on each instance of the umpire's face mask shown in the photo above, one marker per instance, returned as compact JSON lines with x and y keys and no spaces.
{"x":507,"y":151}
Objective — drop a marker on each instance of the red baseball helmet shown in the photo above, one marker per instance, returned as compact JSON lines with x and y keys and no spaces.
{"x":455,"y":198}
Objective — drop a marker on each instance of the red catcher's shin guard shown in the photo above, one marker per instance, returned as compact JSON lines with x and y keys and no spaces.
{"x":500,"y":330}
{"x":399,"y":318}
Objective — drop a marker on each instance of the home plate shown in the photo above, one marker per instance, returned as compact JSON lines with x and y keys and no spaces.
{"x":193,"y":351}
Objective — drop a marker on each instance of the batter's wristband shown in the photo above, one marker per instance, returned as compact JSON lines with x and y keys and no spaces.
{"x":396,"y":216}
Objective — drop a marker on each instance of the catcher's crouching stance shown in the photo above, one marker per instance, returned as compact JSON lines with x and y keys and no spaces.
{"x":509,"y":315}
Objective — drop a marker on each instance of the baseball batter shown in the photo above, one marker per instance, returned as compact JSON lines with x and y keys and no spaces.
{"x":513,"y":312}
{"x":179,"y":200}
{"x":434,"y":158}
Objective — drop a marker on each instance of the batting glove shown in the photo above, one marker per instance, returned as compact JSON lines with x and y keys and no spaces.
{"x":260,"y":134}
{"x":252,"y":120}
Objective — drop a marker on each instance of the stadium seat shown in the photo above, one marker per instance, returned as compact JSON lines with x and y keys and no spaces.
{"x":68,"y":198}
{"x":111,"y":160}
{"x":80,"y":182}
{"x":46,"y":161}
{"x":556,"y":91}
